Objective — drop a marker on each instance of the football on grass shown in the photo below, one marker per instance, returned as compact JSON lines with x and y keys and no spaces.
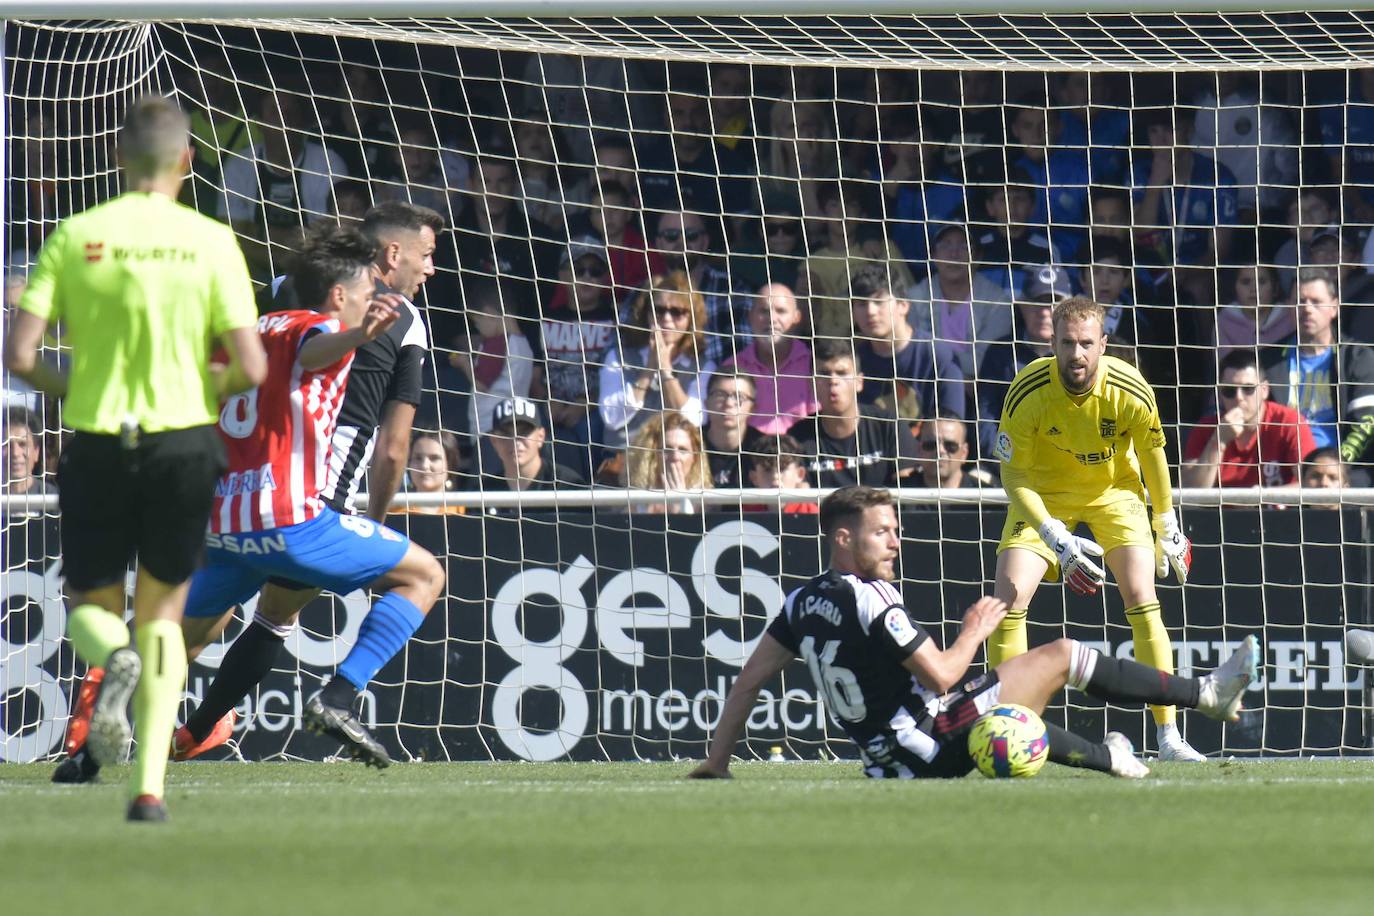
{"x":1008,"y":741}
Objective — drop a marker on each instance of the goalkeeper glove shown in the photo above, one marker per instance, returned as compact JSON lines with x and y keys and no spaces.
{"x":1080,"y":573}
{"x":1172,"y":547}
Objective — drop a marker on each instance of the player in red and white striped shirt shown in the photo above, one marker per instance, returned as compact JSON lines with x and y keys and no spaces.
{"x":270,"y":523}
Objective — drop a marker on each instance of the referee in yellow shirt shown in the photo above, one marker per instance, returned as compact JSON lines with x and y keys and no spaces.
{"x":1078,"y":430}
{"x":144,"y":289}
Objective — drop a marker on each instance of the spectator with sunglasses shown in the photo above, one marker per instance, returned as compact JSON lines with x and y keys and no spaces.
{"x":944,"y":450}
{"x":780,"y":255}
{"x":658,"y":364}
{"x":685,"y":243}
{"x":1252,"y":440}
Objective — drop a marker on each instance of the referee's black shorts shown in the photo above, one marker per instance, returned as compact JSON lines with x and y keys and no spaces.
{"x":151,"y":502}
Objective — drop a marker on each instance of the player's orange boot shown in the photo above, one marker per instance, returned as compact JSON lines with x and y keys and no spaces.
{"x":185,"y":746}
{"x":80,"y":722}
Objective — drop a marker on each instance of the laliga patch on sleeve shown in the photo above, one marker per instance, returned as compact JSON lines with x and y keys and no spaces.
{"x":899,"y":625}
{"x":1003,"y":448}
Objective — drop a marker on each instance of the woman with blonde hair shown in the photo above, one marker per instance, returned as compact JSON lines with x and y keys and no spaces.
{"x":668,"y":454}
{"x":658,"y":363}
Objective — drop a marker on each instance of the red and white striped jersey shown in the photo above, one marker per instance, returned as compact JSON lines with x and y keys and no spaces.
{"x":278,"y":434}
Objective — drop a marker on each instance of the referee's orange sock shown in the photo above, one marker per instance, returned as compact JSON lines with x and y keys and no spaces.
{"x":1009,"y":639}
{"x":95,"y":633}
{"x":163,"y":652}
{"x":1153,"y":648}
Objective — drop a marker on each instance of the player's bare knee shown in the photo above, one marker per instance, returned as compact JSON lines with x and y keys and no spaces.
{"x":1063,"y":650}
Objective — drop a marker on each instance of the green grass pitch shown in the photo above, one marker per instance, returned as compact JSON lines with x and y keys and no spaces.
{"x":798,"y":838}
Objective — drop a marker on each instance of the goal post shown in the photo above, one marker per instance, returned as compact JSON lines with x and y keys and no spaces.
{"x":591,"y":623}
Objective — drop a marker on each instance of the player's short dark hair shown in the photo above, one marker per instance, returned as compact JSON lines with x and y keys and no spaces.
{"x":842,"y":506}
{"x":725,"y":375}
{"x":330,"y":254}
{"x":1325,"y":451}
{"x":19,"y":415}
{"x":391,"y":215}
{"x":1238,"y":360}
{"x":155,"y":134}
{"x":946,"y":414}
{"x":1103,"y":248}
{"x":831,"y":348}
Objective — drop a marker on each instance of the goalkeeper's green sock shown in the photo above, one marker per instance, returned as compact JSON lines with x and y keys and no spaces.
{"x":163,"y":652}
{"x":95,"y":633}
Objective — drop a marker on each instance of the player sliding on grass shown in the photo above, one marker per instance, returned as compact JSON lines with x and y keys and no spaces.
{"x":907,"y":704}
{"x":1078,"y":430}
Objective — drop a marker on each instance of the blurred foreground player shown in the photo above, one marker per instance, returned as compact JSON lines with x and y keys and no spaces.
{"x":907,"y":704}
{"x":143,"y":288}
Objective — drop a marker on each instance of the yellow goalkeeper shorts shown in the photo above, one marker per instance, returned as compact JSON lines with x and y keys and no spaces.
{"x":1117,"y":520}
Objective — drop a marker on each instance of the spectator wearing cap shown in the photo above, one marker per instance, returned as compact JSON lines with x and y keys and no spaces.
{"x":575,"y":339}
{"x":23,"y":438}
{"x":944,"y":450}
{"x":657,"y":364}
{"x":1252,"y":441}
{"x":1031,"y":337}
{"x":686,"y":242}
{"x":956,"y":305}
{"x":777,"y":361}
{"x":1253,"y":318}
{"x":846,"y":444}
{"x":854,"y":239}
{"x":909,"y":378}
{"x":524,"y":460}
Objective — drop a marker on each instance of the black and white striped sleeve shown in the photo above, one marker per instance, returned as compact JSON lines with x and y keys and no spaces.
{"x":886,"y":620}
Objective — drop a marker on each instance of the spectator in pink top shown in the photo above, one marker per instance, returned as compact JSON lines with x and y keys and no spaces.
{"x":777,"y":361}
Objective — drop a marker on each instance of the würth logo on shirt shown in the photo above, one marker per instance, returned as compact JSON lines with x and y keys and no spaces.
{"x":94,"y":251}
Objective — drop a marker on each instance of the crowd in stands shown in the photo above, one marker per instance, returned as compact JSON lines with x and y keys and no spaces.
{"x":699,"y":277}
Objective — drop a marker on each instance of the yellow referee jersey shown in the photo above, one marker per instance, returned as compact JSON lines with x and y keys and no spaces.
{"x":1080,"y":446}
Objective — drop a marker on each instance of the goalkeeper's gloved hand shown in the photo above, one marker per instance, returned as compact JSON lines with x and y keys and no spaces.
{"x":1172,"y":547}
{"x":1080,"y":573}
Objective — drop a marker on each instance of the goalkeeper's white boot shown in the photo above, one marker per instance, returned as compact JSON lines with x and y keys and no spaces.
{"x":1124,"y":761}
{"x":1172,"y":747}
{"x":1219,"y":693}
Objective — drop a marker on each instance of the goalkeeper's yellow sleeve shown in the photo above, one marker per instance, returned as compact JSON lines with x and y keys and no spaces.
{"x":1023,"y":499}
{"x":1154,"y":467}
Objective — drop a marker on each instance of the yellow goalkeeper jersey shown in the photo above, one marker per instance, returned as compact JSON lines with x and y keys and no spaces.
{"x":1083,"y":446}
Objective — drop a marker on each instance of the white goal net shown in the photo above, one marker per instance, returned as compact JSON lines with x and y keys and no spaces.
{"x":910,"y":189}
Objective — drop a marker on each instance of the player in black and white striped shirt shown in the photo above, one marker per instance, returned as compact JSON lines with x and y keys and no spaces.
{"x":907,"y":704}
{"x":373,"y":436}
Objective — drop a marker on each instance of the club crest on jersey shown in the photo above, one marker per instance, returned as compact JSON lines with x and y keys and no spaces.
{"x":1003,"y":449}
{"x":1053,"y":431}
{"x":1107,"y":427}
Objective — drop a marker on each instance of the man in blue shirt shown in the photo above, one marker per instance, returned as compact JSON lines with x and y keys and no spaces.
{"x":1331,"y":383}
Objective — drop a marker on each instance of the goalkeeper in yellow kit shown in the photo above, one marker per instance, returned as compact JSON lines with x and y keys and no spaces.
{"x":1078,"y":431}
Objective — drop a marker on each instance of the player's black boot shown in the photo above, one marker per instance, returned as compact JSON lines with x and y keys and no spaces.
{"x":147,"y":808}
{"x":339,"y":723}
{"x":79,"y":767}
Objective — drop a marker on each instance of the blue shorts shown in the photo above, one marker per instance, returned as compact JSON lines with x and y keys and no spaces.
{"x":338,"y":553}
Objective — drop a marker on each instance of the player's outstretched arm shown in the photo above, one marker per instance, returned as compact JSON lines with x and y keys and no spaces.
{"x":769,"y":658}
{"x":327,"y":349}
{"x":940,"y":670}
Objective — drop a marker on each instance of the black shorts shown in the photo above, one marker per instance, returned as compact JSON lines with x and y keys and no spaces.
{"x":151,"y":502}
{"x":949,"y":729}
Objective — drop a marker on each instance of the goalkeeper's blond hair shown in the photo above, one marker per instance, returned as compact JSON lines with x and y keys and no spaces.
{"x":1079,"y":308}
